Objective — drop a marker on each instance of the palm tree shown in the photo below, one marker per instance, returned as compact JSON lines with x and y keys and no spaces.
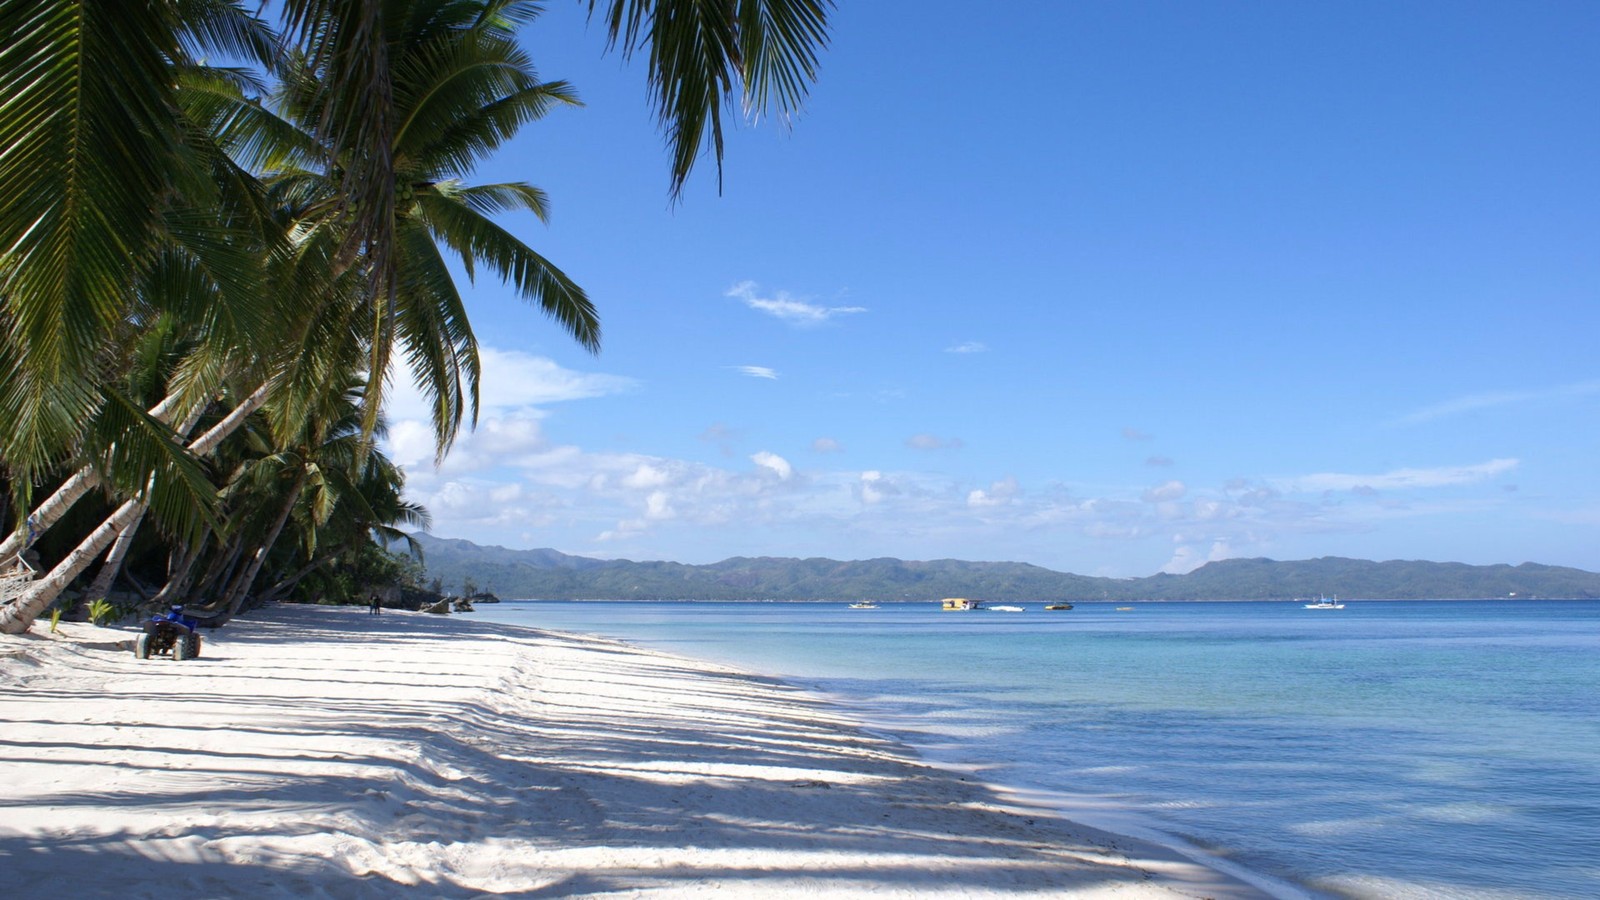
{"x":97,"y":180}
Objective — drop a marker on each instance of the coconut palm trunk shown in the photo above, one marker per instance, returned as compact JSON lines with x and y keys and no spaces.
{"x":103,"y":580}
{"x":16,"y":616}
{"x":239,"y":591}
{"x":73,"y":489}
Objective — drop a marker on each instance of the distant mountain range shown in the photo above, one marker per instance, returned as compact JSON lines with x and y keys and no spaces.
{"x":550,"y":575}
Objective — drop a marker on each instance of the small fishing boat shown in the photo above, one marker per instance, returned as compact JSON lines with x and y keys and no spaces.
{"x":864,"y":604}
{"x":1325,"y":603}
{"x":1124,"y":609}
{"x":1059,"y":606}
{"x":953,"y":604}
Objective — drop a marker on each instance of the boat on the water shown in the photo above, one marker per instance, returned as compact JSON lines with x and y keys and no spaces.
{"x":1325,"y":603}
{"x":953,"y":604}
{"x":864,"y":604}
{"x":1124,"y":609}
{"x":1008,"y":608}
{"x":1059,"y":606}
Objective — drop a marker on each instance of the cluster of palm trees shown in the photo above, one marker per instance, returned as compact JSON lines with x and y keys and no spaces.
{"x":208,"y":271}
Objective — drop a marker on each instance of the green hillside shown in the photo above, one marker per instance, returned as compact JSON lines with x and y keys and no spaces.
{"x":549,"y":575}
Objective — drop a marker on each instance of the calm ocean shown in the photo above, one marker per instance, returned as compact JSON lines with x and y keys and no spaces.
{"x":1389,"y":749}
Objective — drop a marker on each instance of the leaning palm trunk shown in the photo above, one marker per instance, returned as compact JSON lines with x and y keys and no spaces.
{"x":48,"y":513}
{"x":240,"y":589}
{"x":16,"y":616}
{"x":113,"y":564}
{"x":72,"y":490}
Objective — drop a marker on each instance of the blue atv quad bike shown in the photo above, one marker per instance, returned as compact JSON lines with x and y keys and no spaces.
{"x":172,"y":632}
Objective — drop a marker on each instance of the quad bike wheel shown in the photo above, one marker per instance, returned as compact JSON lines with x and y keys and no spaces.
{"x":193,"y":642}
{"x":141,"y":647}
{"x":180,"y":648}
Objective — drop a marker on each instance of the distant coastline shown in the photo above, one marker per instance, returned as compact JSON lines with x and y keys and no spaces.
{"x":551,"y":575}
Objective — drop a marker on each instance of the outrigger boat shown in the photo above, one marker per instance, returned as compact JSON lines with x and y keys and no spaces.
{"x":1059,"y":606}
{"x":865,"y":604}
{"x":953,"y":604}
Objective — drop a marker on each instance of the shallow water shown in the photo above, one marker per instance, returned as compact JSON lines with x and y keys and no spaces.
{"x":1389,"y":749}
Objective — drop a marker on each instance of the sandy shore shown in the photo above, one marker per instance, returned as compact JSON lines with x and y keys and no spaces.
{"x":316,"y":752}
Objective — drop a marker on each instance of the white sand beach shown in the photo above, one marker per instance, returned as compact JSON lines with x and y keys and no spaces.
{"x":318,"y":752}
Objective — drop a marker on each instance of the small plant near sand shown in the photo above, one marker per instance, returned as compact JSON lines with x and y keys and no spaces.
{"x":101,"y":611}
{"x":55,"y":619}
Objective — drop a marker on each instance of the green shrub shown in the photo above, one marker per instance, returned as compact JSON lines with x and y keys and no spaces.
{"x":55,"y":619}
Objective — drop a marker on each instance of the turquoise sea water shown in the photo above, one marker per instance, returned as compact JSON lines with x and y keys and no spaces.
{"x":1389,"y":749}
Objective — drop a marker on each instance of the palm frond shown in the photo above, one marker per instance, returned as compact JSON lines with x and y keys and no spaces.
{"x":700,"y":58}
{"x":144,"y":459}
{"x":226,"y":27}
{"x":88,"y":146}
{"x":440,"y":349}
{"x":473,"y":236}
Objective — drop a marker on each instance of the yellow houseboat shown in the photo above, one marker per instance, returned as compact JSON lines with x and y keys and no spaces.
{"x":955,"y":603}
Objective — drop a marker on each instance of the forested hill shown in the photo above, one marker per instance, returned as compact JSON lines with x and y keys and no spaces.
{"x":547,"y":574}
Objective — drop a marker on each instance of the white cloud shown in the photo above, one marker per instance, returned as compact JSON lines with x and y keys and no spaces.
{"x":1187,"y":557}
{"x":1490,"y":399}
{"x":1170,"y":491}
{"x":512,"y":480}
{"x":1000,"y":493}
{"x":1399,"y":479}
{"x":510,"y":380}
{"x":773,"y":462}
{"x":1134,"y":434}
{"x":968,"y":347}
{"x":874,"y":488}
{"x":756,"y":372}
{"x":784,"y":307}
{"x":646,"y":476}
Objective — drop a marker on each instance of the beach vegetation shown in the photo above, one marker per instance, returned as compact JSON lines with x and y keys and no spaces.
{"x":102,"y":611}
{"x":210,"y":271}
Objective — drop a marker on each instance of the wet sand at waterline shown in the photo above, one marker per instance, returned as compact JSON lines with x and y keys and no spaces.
{"x":325,"y":752}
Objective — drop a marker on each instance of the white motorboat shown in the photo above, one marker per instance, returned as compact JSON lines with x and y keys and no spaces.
{"x":865,"y":604}
{"x":1007,"y":608}
{"x":1325,"y":603}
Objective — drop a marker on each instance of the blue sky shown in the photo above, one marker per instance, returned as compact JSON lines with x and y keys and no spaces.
{"x":1111,"y":288}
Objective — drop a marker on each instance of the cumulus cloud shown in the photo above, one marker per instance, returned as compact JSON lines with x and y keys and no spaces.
{"x":774,"y":463}
{"x":1158,"y":462}
{"x":513,"y":479}
{"x":1000,"y":493}
{"x":1188,"y":557}
{"x":756,"y":371}
{"x":788,"y":309}
{"x":512,"y":386}
{"x":1398,"y":479}
{"x":968,"y":347}
{"x":1134,"y":434}
{"x":874,"y":488}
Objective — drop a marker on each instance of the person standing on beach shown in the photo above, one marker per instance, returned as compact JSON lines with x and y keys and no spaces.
{"x":377,"y":604}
